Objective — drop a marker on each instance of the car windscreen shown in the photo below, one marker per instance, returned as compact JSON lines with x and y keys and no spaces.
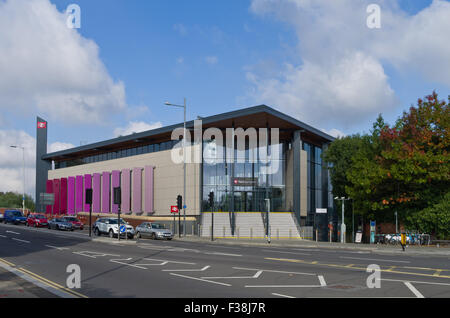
{"x":158,"y":226}
{"x":17,"y":213}
{"x":70,"y":219}
{"x":39,"y":217}
{"x":114,"y":221}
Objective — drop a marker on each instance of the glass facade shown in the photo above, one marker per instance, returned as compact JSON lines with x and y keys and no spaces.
{"x":318,"y":181}
{"x":243,"y":186}
{"x":139,"y":150}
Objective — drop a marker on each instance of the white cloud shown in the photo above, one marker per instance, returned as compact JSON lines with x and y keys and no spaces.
{"x":48,"y":67}
{"x":59,"y":146}
{"x":136,"y":127}
{"x":340,"y":68}
{"x":211,"y":60}
{"x":334,"y":132}
{"x":180,"y":28}
{"x":11,"y":160}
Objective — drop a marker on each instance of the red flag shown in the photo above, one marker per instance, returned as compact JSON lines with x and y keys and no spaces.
{"x":41,"y":124}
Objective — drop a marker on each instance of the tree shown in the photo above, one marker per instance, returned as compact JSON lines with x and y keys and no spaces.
{"x":14,"y":200}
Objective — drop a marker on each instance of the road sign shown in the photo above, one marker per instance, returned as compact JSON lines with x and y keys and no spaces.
{"x":173,"y":209}
{"x":47,"y":198}
{"x":358,"y":238}
{"x":321,"y":211}
{"x":122,"y":229}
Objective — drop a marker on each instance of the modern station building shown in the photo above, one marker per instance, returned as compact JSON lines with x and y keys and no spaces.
{"x":143,"y":165}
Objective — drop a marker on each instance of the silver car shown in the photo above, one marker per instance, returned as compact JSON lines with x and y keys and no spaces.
{"x":154,"y":231}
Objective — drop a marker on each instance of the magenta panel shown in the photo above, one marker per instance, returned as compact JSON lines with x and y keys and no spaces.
{"x":148,"y":196}
{"x":49,"y":189}
{"x":79,"y":194}
{"x":56,"y":191}
{"x":96,"y":193}
{"x":87,"y":185}
{"x":137,"y":190}
{"x":71,"y":195}
{"x":115,"y":182}
{"x":63,"y":193}
{"x":106,"y":187}
{"x":125,"y":185}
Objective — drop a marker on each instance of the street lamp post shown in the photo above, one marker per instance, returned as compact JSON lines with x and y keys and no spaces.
{"x":343,"y":228}
{"x":184,"y":162}
{"x":23,"y":196}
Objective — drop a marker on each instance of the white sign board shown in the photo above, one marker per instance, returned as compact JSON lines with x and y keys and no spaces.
{"x":321,"y":211}
{"x":358,"y":237}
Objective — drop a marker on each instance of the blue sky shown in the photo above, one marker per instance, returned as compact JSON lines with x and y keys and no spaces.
{"x":315,"y":60}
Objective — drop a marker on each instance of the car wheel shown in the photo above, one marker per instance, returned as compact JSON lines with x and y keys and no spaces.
{"x":153,"y":236}
{"x":97,"y":232}
{"x":138,"y":235}
{"x":169,"y":239}
{"x":111,"y":234}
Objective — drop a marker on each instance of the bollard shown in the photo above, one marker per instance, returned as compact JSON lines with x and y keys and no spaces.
{"x":237,"y":230}
{"x":278,"y":234}
{"x":290,"y":233}
{"x":317,"y":235}
{"x":251,"y":233}
{"x":224,"y":231}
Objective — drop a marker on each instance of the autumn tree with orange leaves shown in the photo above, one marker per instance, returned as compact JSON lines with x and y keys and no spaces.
{"x":404,"y":168}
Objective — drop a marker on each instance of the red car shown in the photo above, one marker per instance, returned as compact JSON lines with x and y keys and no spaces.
{"x":37,"y":220}
{"x":77,"y":224}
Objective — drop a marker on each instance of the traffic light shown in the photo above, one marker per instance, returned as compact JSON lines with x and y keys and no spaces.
{"x":211,"y":198}
{"x":179,"y":202}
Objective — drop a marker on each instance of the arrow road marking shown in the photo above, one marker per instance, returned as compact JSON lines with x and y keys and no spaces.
{"x":93,"y":254}
{"x":258,"y":273}
{"x":187,"y":270}
{"x":200,"y":279}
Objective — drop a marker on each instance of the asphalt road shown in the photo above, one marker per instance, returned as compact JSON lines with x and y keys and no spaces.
{"x":186,"y":269}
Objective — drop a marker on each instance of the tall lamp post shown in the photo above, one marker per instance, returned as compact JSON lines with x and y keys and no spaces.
{"x":343,"y":219}
{"x":184,"y":162}
{"x":23,"y":197}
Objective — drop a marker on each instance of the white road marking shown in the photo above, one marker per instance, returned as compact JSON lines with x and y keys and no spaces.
{"x":200,"y":279}
{"x":223,"y":254}
{"x":280,"y":295}
{"x":414,"y":290}
{"x":3,"y":236}
{"x":12,"y":232}
{"x":93,"y":254}
{"x":159,"y":260}
{"x":273,"y":271}
{"x":258,"y":273}
{"x":58,"y":248}
{"x":373,"y":259}
{"x":187,"y":270}
{"x":128,"y":264}
{"x":21,"y":240}
{"x":322,"y":281}
{"x":415,"y":282}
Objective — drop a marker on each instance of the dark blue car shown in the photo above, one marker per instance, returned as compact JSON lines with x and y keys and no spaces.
{"x":14,"y":216}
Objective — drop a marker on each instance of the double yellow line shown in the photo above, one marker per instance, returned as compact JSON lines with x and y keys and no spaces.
{"x":44,"y":280}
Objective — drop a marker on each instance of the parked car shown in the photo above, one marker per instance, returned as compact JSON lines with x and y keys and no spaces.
{"x":60,"y":224}
{"x":110,"y":227}
{"x":14,"y":216}
{"x":37,"y":220}
{"x":77,"y":224}
{"x":1,"y":217}
{"x":154,"y":231}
